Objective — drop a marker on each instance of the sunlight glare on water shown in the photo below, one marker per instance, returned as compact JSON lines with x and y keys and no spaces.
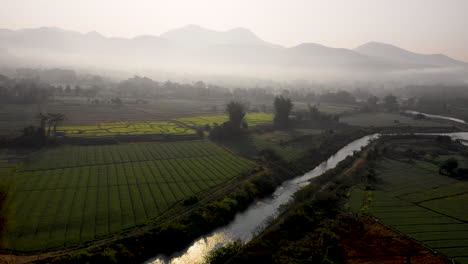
{"x":196,"y":252}
{"x":253,"y":220}
{"x":246,"y":223}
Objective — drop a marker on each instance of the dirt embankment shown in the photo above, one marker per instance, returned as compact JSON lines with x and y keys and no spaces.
{"x":365,"y":240}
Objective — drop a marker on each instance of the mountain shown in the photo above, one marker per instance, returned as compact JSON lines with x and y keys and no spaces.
{"x":409,"y":59}
{"x":316,"y":55}
{"x":193,"y":48}
{"x":198,"y":36}
{"x":7,"y":59}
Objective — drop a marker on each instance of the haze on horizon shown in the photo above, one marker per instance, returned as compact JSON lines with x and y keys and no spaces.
{"x":422,"y":26}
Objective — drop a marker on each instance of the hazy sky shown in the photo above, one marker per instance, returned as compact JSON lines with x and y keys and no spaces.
{"x":425,"y":26}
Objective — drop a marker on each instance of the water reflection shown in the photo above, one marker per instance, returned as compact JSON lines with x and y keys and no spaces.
{"x":253,"y":219}
{"x":245,"y":224}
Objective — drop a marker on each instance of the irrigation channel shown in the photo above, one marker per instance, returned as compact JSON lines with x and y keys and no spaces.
{"x":252,"y":220}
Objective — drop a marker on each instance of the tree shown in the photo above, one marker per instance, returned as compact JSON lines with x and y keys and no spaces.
{"x":236,"y":112}
{"x":448,"y":166}
{"x":390,"y":102}
{"x":314,"y":113}
{"x":5,"y":171}
{"x":77,"y":90}
{"x":67,"y":89}
{"x":42,"y":127}
{"x":117,"y":101}
{"x":372,"y":101}
{"x":52,"y":120}
{"x":282,"y":107}
{"x":56,"y":119}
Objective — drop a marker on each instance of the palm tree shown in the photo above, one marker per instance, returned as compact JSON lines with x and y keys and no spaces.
{"x":55,"y":119}
{"x":44,"y":119}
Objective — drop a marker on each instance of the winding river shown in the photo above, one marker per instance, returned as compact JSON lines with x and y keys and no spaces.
{"x":246,"y":224}
{"x":252,"y":220}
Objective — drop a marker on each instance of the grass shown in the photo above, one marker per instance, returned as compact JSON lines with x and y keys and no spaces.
{"x":70,"y":195}
{"x":286,"y":135}
{"x":356,"y":199}
{"x":282,"y":142}
{"x":387,"y":120}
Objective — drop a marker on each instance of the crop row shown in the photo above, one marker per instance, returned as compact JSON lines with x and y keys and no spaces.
{"x":444,"y":191}
{"x":424,"y":225}
{"x":121,"y":128}
{"x":65,"y":206}
{"x":253,"y":119}
{"x":73,"y":156}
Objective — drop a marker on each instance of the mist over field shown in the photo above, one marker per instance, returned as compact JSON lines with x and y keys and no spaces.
{"x":193,"y":53}
{"x":233,"y":131}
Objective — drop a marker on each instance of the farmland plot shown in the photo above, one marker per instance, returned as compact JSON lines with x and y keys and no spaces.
{"x":73,"y":194}
{"x":125,"y":129}
{"x":420,"y":203}
{"x":253,"y":119}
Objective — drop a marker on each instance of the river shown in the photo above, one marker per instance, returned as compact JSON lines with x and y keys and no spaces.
{"x":437,"y":116}
{"x":247,"y":223}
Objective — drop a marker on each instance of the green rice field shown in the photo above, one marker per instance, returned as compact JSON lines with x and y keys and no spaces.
{"x":73,"y":194}
{"x":419,"y":202}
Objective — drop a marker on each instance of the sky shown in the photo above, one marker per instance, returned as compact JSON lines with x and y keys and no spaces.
{"x":423,"y":26}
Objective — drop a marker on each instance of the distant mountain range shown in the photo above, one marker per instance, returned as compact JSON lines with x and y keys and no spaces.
{"x":194,"y":45}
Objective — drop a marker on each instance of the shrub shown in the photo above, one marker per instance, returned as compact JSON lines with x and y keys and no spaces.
{"x":223,"y":254}
{"x":190,"y":200}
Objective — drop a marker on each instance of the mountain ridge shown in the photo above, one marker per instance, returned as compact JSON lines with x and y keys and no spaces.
{"x":193,"y":44}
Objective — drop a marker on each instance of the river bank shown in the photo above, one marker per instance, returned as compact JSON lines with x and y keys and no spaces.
{"x":328,"y":219}
{"x":175,"y":235}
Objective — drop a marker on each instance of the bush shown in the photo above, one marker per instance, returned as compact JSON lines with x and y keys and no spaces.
{"x":448,"y":166}
{"x":462,"y":173}
{"x":190,"y":200}
{"x":223,"y":254}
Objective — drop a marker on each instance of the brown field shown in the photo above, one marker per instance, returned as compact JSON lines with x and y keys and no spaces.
{"x":366,"y":241}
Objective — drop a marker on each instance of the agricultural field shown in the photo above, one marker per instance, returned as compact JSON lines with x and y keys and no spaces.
{"x":328,"y":108}
{"x":282,"y":142}
{"x":73,"y":194}
{"x":14,"y":117}
{"x":388,"y":120}
{"x":181,"y":126}
{"x":413,"y":198}
{"x":253,"y":119}
{"x":286,"y":135}
{"x":125,"y":129}
{"x":285,"y":143}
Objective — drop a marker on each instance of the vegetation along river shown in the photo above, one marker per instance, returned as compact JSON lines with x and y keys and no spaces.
{"x":247,"y":223}
{"x":250,"y":221}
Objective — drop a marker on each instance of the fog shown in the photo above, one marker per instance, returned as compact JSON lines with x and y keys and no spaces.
{"x":191,"y":53}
